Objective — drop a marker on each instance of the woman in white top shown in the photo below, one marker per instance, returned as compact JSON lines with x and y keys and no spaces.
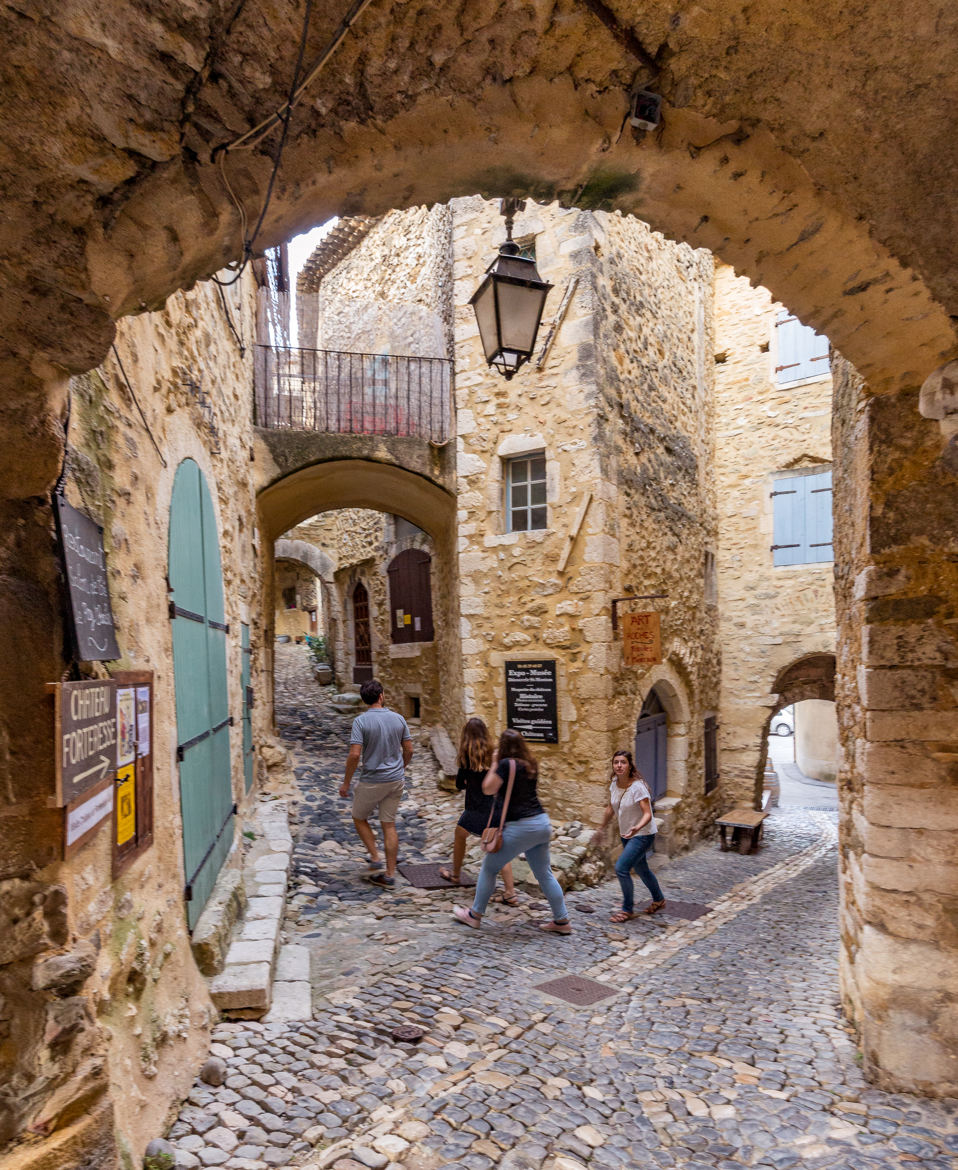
{"x":631,"y":802}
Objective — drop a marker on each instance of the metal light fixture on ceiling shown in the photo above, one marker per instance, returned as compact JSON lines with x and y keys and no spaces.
{"x":509,"y":302}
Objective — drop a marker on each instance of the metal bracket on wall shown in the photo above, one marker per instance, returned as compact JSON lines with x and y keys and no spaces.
{"x":557,"y":321}
{"x":631,"y":597}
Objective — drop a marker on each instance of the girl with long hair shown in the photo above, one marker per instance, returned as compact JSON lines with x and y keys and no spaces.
{"x":631,"y":802}
{"x":526,"y":830}
{"x":475,"y":756}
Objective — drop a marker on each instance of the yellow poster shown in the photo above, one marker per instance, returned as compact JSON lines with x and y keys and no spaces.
{"x":125,"y":804}
{"x":641,"y":639}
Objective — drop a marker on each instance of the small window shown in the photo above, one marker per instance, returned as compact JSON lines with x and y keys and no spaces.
{"x":289,"y":597}
{"x":711,"y":754}
{"x":802,"y":519}
{"x":527,"y":247}
{"x":526,"y":493}
{"x":800,"y":352}
{"x":415,"y":707}
{"x":711,"y":579}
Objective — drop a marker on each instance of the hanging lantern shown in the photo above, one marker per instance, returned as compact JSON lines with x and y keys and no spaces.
{"x":509,"y":302}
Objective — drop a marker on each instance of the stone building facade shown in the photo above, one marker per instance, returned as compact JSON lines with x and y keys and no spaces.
{"x":777,"y":622}
{"x":103,"y":1008}
{"x":297,"y":609}
{"x":620,"y":412}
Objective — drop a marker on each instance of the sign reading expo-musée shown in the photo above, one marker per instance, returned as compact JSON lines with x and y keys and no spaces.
{"x":531,"y":706}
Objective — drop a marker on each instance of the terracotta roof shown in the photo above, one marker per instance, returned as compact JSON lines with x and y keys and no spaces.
{"x":331,"y":250}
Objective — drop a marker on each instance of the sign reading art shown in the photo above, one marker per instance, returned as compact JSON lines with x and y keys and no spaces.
{"x":641,"y":639}
{"x":85,"y":740}
{"x":531,"y":706}
{"x":85,"y":563}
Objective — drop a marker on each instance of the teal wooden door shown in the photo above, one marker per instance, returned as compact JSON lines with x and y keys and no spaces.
{"x":199,"y":671}
{"x":246,"y":681}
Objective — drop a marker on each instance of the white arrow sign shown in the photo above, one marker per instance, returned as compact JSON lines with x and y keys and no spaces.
{"x":101,"y":767}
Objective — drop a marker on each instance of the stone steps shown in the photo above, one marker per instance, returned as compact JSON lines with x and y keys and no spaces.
{"x":244,"y":987}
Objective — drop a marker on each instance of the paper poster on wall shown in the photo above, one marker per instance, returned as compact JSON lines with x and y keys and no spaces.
{"x":399,"y":617}
{"x":142,"y":721}
{"x":418,"y":625}
{"x":407,"y":619}
{"x":125,"y":804}
{"x":125,"y":726}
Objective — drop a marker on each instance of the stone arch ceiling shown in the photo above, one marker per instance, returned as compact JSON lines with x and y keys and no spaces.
{"x":809,"y":144}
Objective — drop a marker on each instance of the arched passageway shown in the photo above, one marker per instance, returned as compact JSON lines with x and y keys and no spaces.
{"x":384,"y":488}
{"x":116,"y":207}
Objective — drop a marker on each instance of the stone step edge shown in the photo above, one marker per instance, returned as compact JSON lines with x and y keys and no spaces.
{"x":244,"y":986}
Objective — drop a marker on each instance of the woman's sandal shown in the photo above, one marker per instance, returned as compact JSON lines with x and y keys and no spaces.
{"x":654,"y":907}
{"x":447,"y":876}
{"x":622,"y":916}
{"x":556,"y":927}
{"x":506,"y":899}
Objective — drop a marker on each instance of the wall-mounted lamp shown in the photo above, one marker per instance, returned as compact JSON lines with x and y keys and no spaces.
{"x":509,"y":302}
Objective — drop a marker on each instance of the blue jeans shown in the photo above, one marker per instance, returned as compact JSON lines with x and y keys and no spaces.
{"x":530,"y":836}
{"x":634,"y":857}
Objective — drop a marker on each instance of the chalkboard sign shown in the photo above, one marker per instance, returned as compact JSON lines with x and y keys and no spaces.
{"x":531,"y":706}
{"x":85,"y":562}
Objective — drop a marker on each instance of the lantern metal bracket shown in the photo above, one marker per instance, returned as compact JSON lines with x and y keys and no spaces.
{"x":631,"y":597}
{"x":509,"y":209}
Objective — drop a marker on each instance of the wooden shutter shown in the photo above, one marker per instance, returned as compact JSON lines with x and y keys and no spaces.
{"x":802,"y":519}
{"x":818,"y":517}
{"x":802,"y":353}
{"x":410,"y":597}
{"x":711,"y":753}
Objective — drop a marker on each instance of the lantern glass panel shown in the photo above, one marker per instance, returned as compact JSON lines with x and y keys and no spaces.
{"x":484,"y":303}
{"x":519,"y":311}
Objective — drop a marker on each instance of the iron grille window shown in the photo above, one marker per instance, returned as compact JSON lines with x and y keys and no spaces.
{"x":711,"y":754}
{"x":801,"y":352}
{"x":526,"y":508}
{"x":802,"y":519}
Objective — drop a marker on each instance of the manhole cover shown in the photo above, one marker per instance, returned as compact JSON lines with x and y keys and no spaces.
{"x":425,"y":875}
{"x":407,"y":1033}
{"x":688,"y":910}
{"x":578,"y":990}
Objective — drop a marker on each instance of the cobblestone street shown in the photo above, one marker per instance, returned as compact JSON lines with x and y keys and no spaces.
{"x":719,"y":1043}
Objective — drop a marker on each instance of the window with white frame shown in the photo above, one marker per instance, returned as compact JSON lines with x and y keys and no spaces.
{"x":802,"y":518}
{"x":526,"y":508}
{"x":800,"y":352}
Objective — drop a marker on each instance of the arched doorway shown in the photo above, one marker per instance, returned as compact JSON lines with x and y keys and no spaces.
{"x":199,"y":674}
{"x":651,"y":744}
{"x":362,"y":640}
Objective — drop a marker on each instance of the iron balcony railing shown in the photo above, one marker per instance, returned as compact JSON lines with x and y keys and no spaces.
{"x":353,"y":393}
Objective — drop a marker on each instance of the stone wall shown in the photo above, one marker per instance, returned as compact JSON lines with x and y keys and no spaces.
{"x":101,"y":1004}
{"x":896,"y":587}
{"x":391,"y":295}
{"x":298,"y":582}
{"x":620,"y":409}
{"x":770,"y":617}
{"x":362,"y":544}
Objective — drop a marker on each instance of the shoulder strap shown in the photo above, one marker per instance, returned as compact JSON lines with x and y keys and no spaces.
{"x":505,"y":799}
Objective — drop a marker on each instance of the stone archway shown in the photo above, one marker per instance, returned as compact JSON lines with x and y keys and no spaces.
{"x":113,"y":208}
{"x":383,"y":487}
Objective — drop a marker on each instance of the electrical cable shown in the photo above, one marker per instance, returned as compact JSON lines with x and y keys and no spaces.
{"x":254,"y":136}
{"x":229,"y":320}
{"x":137,"y":404}
{"x":249,"y":240}
{"x":58,"y":486}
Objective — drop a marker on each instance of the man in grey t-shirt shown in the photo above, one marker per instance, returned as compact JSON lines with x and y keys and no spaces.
{"x":381,"y":739}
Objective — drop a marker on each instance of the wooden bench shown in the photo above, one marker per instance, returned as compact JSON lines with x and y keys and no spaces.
{"x":746,"y":825}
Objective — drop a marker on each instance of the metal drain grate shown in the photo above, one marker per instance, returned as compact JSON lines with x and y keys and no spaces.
{"x":689,"y":910}
{"x":577,"y":990}
{"x":424,"y":875}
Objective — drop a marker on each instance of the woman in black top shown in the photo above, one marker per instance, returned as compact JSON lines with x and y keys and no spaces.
{"x":526,"y":830}
{"x":475,"y":754}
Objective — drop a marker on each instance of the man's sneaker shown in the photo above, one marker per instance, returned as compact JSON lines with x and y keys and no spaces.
{"x":372,"y":866}
{"x":380,"y":879}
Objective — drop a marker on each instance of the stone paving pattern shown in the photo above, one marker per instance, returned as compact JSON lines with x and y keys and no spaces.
{"x":723,"y":1048}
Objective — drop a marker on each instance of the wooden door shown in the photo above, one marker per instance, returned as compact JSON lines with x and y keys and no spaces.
{"x":199,"y":672}
{"x":651,"y":741}
{"x":246,"y":683}
{"x":410,"y":596}
{"x":362,"y":642}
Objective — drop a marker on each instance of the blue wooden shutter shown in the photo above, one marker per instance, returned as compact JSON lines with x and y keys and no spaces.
{"x":788,"y":511}
{"x":818,"y":517}
{"x":802,"y":353}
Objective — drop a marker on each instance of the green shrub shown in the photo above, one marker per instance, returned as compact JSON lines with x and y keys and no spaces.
{"x":320,"y":648}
